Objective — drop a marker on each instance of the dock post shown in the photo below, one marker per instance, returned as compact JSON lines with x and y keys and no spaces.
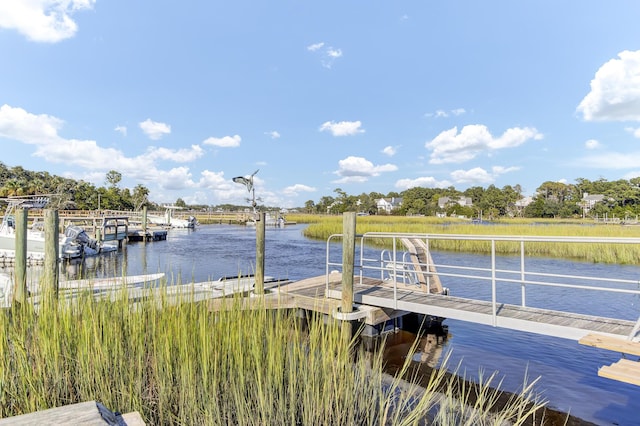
{"x":51,"y":252}
{"x":260,"y":232}
{"x":20,"y":284}
{"x":144,"y":225}
{"x":348,"y":256}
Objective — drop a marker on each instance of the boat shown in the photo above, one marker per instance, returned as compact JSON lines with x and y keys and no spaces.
{"x":68,"y":248}
{"x":88,"y":246}
{"x":278,"y":221}
{"x":93,"y":284}
{"x":173,"y":222}
{"x":229,"y":285}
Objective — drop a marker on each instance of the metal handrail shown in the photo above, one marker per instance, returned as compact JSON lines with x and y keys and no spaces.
{"x":397,"y":260}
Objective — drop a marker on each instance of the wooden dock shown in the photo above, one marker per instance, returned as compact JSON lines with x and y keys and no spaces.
{"x":83,"y":413}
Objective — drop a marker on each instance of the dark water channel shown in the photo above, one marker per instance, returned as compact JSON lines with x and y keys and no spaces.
{"x":568,"y":371}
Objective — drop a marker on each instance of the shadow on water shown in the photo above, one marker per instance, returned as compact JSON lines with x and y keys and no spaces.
{"x":427,"y":347}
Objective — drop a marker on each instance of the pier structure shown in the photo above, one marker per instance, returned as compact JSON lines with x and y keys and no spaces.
{"x":402,"y":278}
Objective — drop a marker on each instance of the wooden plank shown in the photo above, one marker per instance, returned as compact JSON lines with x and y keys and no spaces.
{"x":84,"y":413}
{"x":623,"y":371}
{"x":611,"y":343}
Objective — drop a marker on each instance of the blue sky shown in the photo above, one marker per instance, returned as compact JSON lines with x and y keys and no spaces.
{"x":360,"y":95}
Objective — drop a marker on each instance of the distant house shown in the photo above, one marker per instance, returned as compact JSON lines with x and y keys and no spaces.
{"x":444,"y":202}
{"x":590,"y":200}
{"x":523,"y":202}
{"x":388,"y":205}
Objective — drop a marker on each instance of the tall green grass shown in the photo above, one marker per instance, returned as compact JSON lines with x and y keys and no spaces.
{"x":183,"y":364}
{"x":604,"y":253}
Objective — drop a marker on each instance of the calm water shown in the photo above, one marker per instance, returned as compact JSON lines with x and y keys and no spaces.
{"x":568,"y":370}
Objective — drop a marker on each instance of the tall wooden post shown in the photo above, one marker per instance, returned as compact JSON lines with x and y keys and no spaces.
{"x":51,"y":251}
{"x":144,"y":224}
{"x":260,"y":232}
{"x":20,"y":284}
{"x":348,"y":255}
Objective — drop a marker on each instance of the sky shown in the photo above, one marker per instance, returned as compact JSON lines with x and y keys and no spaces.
{"x":360,"y":96}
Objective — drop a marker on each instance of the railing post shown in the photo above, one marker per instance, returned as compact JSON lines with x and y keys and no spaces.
{"x":522,"y":274}
{"x":493,"y":283}
{"x":260,"y":232}
{"x":51,"y":252}
{"x":20,"y":284}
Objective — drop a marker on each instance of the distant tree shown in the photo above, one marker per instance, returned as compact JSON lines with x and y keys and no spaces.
{"x":309,"y":206}
{"x":180,"y":203}
{"x":140,"y":196}
{"x":113,"y":178}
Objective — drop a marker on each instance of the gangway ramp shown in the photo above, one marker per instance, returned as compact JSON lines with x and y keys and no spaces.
{"x":521,"y":318}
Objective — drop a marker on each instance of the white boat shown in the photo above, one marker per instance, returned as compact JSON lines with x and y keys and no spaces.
{"x":94,"y":284}
{"x":173,"y":222}
{"x":278,"y":221}
{"x":88,"y":245}
{"x":35,"y":235}
{"x":229,"y":285}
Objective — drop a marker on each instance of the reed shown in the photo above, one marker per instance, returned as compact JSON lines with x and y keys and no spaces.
{"x":183,"y":364}
{"x":324,"y":226}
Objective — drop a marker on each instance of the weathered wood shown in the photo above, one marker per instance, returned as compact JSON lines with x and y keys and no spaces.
{"x":20,"y":272}
{"x":611,"y":343}
{"x":84,"y":413}
{"x":51,"y":252}
{"x":260,"y":235}
{"x":144,"y":223}
{"x":348,"y":255}
{"x":623,"y":371}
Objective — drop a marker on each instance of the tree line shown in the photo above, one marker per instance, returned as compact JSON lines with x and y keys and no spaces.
{"x":71,"y":194}
{"x":621,"y":198}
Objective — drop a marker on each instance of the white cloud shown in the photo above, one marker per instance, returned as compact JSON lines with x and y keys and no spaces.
{"x":328,"y":54}
{"x":634,"y":131}
{"x":592,"y":144}
{"x":183,"y":155}
{"x":479,"y":175}
{"x":390,"y":150}
{"x":453,"y":147}
{"x":611,"y":160}
{"x":315,"y":46}
{"x":42,"y":20}
{"x":615,"y":90}
{"x":273,"y":134}
{"x":224,"y":142}
{"x":343,"y":128}
{"x":122,"y":130}
{"x":424,"y":182}
{"x":294,"y":190}
{"x":359,"y":169}
{"x":176,"y":178}
{"x":154,"y":130}
{"x":42,"y":132}
{"x":444,"y":114}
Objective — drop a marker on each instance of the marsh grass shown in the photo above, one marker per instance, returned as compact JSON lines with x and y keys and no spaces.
{"x":183,"y":364}
{"x":324,"y":226}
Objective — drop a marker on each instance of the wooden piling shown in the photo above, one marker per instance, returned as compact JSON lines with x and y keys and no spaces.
{"x":144,"y":225}
{"x":20,"y":284}
{"x":348,"y":255}
{"x":260,"y":233}
{"x":51,"y":252}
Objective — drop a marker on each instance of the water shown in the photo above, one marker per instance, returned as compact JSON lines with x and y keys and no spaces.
{"x":568,"y":371}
